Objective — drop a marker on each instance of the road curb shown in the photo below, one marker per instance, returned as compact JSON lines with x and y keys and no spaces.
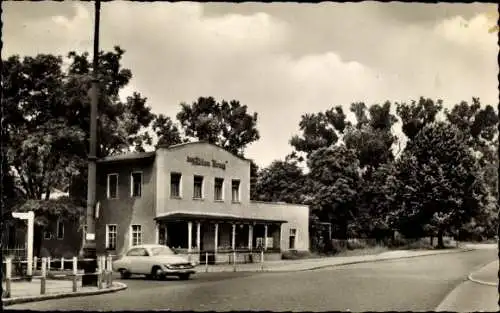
{"x":380,"y":260}
{"x":349,"y":262}
{"x":117,"y":286}
{"x":481,"y":282}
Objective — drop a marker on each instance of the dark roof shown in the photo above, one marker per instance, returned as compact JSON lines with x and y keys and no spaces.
{"x":128,"y":157}
{"x":214,"y":217}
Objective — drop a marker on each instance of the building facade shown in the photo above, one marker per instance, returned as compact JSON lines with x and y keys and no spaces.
{"x":193,"y":197}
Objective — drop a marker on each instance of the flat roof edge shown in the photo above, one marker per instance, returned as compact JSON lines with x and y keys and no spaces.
{"x":279,"y":203}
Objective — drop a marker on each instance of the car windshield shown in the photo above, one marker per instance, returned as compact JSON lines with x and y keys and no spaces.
{"x":162,"y":251}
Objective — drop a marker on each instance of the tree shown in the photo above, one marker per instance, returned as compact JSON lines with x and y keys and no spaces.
{"x":320,"y":130}
{"x":335,"y":181}
{"x":372,"y":136}
{"x":442,"y":185}
{"x":167,"y":132}
{"x":121,"y":125}
{"x":481,"y":127}
{"x":376,"y":202}
{"x":39,"y":141}
{"x":282,"y":181}
{"x":416,"y":115}
{"x":47,"y":113}
{"x":226,"y":124}
{"x":254,"y":176}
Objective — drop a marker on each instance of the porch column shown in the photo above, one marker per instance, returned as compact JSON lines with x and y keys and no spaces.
{"x":250,"y":236}
{"x":165,"y":242}
{"x":265,"y":237}
{"x":198,"y":240}
{"x":216,"y":237}
{"x":190,"y":235}
{"x":233,"y":241}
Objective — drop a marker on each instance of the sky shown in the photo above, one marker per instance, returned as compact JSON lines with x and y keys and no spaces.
{"x":282,"y":60}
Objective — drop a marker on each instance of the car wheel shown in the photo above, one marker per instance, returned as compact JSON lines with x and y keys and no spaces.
{"x":125,"y":274}
{"x":157,"y":273}
{"x":184,"y":276}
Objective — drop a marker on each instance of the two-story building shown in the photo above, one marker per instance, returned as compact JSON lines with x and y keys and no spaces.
{"x":193,"y":197}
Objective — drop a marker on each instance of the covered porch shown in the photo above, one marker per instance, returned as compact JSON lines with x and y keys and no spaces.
{"x":218,"y":235}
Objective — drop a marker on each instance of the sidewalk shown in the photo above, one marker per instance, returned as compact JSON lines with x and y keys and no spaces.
{"x":310,"y":264}
{"x":478,"y":294}
{"x":24,"y":291}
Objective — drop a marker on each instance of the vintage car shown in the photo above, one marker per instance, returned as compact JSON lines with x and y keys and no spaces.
{"x":154,"y":261}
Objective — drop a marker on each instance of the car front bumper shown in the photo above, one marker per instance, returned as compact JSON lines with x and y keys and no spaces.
{"x":178,"y":271}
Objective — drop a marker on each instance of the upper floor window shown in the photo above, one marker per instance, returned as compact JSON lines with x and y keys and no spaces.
{"x":112,"y":186}
{"x":218,"y":187}
{"x":136,"y":184}
{"x":198,"y":187}
{"x":235,"y":190}
{"x":175,"y":185}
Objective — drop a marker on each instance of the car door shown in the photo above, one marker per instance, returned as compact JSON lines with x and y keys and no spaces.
{"x":143,"y":261}
{"x":133,"y":260}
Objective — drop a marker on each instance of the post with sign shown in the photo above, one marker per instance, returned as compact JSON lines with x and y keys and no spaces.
{"x":89,"y":249}
{"x":30,"y":218}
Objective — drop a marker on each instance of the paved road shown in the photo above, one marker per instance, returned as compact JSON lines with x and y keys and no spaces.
{"x":399,"y":285}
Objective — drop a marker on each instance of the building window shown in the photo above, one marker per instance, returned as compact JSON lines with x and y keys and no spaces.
{"x":111,"y":232}
{"x":175,"y":185}
{"x":235,"y":190}
{"x":112,"y":186}
{"x":218,"y":187}
{"x":136,"y":184}
{"x":136,"y":235}
{"x":198,"y":187}
{"x":292,"y":238}
{"x":60,"y":230}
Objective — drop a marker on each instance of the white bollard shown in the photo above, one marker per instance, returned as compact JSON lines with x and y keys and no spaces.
{"x":48,"y":264}
{"x":8,"y":276}
{"x":75,"y":272}
{"x":206,"y":262}
{"x":234,"y":261}
{"x":44,"y":276}
{"x":110,"y":271}
{"x":262,"y":260}
{"x":35,"y":263}
{"x":99,"y":272}
{"x":62,"y":263}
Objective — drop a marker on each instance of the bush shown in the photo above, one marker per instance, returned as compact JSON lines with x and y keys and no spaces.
{"x":354,"y":244}
{"x":295,"y":255}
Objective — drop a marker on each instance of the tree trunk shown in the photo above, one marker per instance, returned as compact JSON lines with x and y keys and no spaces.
{"x":440,"y":239}
{"x":432,"y":241}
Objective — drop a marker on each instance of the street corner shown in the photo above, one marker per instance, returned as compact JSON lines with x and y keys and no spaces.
{"x":487,"y":275}
{"x":117,"y":286}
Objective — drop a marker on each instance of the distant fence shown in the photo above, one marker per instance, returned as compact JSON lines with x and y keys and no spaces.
{"x":66,"y":268}
{"x":239,"y":256}
{"x":233,"y":258}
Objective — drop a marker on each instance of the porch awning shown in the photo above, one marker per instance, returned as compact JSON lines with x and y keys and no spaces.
{"x":214,"y":217}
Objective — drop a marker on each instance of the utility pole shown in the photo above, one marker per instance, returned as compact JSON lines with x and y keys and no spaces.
{"x":89,"y":248}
